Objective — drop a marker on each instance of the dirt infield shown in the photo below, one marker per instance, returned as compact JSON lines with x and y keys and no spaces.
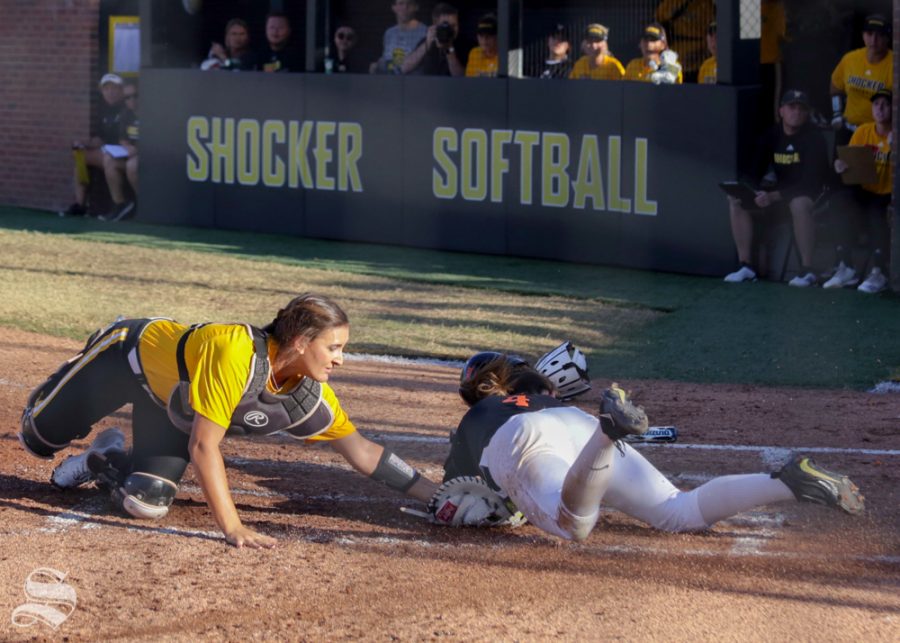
{"x":350,"y":565}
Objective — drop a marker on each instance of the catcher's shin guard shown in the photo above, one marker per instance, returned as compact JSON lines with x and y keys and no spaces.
{"x":146,"y":496}
{"x":33,"y":442}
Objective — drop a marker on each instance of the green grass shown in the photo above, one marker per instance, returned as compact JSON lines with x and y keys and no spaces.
{"x":65,"y":276}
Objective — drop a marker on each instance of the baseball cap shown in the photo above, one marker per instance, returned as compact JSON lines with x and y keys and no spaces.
{"x":487,"y":24}
{"x":795,"y":96}
{"x":111,"y":78}
{"x":877,"y":22}
{"x":558,"y":30}
{"x":711,"y":28}
{"x":883,"y":93}
{"x":654,"y":31}
{"x":595,"y":31}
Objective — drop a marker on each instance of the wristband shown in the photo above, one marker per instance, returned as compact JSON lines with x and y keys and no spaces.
{"x":393,"y":471}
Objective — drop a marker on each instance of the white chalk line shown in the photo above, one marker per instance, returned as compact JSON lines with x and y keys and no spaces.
{"x":675,"y":445}
{"x":752,"y":530}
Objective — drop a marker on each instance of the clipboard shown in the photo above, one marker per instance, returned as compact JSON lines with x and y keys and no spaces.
{"x":860,"y":164}
{"x":742,"y":192}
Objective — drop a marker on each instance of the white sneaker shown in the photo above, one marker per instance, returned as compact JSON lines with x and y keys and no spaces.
{"x":875,"y":282}
{"x":744,"y":273}
{"x":73,"y":471}
{"x":843,"y":276}
{"x":803,"y":281}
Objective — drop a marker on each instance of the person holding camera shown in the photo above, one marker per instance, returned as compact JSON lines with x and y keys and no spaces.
{"x":443,"y":52}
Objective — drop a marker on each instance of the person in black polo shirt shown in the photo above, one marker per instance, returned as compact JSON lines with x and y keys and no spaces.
{"x":279,"y":53}
{"x":793,"y":168}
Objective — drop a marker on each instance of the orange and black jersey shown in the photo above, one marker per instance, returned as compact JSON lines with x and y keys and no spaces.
{"x":479,"y":425}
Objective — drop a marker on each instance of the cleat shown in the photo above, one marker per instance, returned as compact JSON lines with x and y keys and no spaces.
{"x":74,"y":471}
{"x":811,"y":483}
{"x":624,"y":417}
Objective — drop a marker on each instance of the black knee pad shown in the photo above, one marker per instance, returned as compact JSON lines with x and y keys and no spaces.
{"x":147,"y":496}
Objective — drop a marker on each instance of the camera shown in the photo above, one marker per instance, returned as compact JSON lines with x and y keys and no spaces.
{"x":444,"y":34}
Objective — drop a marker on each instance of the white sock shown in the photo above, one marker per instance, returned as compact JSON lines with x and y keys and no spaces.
{"x":726,"y":496}
{"x":589,"y":476}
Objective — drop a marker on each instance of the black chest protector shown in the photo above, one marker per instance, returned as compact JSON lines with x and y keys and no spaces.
{"x":301,"y":413}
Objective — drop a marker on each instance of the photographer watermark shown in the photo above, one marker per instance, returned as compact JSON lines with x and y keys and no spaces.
{"x":50,"y":600}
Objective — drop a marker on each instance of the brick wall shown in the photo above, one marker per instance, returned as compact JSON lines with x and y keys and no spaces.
{"x":48,"y":76}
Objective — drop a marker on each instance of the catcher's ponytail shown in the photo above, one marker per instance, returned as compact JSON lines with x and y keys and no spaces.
{"x":306,"y":316}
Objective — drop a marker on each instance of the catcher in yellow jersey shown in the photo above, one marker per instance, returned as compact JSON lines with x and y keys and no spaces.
{"x":860,"y":74}
{"x":188,"y":387}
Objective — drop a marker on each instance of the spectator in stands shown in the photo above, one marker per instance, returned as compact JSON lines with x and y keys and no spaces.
{"x":344,"y":60}
{"x":792,"y":163}
{"x":860,"y":74}
{"x":89,"y":153}
{"x":866,"y":206}
{"x":708,"y":70}
{"x":558,"y":63}
{"x":483,"y":59}
{"x":122,"y":169}
{"x":597,"y":63}
{"x":653,"y":44}
{"x":687,"y":21}
{"x":442,"y":52}
{"x":773,"y":34}
{"x":279,"y":54}
{"x":400,"y":39}
{"x":236,"y":54}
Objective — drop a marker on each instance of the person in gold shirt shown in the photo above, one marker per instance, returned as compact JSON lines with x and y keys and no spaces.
{"x":708,"y":70}
{"x":189,"y":386}
{"x":483,"y":59}
{"x":651,"y":65}
{"x":866,"y":206}
{"x":597,"y":63}
{"x":686,"y":22}
{"x":860,"y":74}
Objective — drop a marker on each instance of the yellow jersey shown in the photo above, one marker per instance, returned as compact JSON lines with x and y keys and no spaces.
{"x":774,"y":30}
{"x":218,"y":358}
{"x":637,"y":69}
{"x":481,"y":65}
{"x":608,"y":69}
{"x":859,"y":79}
{"x":868,"y":136}
{"x":707,"y":73}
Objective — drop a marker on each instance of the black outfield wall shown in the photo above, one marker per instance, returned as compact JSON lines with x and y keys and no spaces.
{"x":589,"y":171}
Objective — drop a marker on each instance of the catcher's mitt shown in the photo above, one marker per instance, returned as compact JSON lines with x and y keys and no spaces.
{"x":467,"y":501}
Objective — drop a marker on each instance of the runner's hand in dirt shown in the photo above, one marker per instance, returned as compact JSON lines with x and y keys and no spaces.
{"x":245,"y":537}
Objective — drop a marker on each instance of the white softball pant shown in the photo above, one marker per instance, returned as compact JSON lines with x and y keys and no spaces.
{"x":531,"y":454}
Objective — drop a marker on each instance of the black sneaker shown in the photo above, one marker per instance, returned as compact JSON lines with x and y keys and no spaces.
{"x":74,"y":210}
{"x":121,"y":212}
{"x":811,"y":483}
